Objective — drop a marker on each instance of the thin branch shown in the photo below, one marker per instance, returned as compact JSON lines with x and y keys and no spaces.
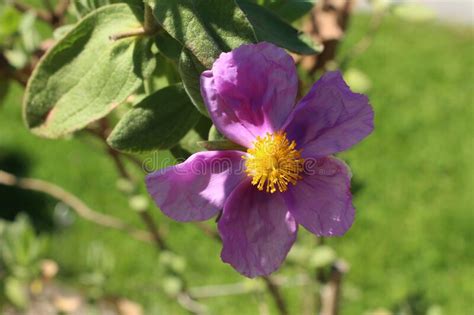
{"x":184,"y":298}
{"x":61,"y":8}
{"x":150,"y":25}
{"x":276,"y":294}
{"x":7,"y":71}
{"x":211,"y":291}
{"x":147,"y":219}
{"x":41,"y":14}
{"x":132,"y":33}
{"x":115,"y":155}
{"x":331,"y":292}
{"x":150,"y":223}
{"x":138,"y":163}
{"x":366,"y":41}
{"x":47,"y":4}
{"x":320,"y":278}
{"x":208,"y":230}
{"x":75,"y":203}
{"x":189,"y":303}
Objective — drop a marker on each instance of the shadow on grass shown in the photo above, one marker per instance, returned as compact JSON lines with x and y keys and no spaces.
{"x":37,"y":206}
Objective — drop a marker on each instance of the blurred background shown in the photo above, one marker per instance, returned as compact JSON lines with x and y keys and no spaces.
{"x":408,"y":252}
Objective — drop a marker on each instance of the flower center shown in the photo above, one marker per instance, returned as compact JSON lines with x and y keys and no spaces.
{"x":273,"y":162}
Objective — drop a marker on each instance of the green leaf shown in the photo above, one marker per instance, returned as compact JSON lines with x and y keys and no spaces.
{"x":83,"y":7}
{"x":190,"y":70}
{"x":292,"y":10}
{"x":269,"y":27}
{"x":4,"y":85}
{"x":205,"y":27}
{"x":16,"y":292}
{"x":158,"y":122}
{"x":188,"y":145}
{"x":29,"y":34}
{"x":62,"y":31}
{"x":165,"y":74}
{"x":203,"y":126}
{"x":168,"y":46}
{"x":86,"y":75}
{"x":17,"y":56}
{"x":214,"y":134}
{"x":9,"y":22}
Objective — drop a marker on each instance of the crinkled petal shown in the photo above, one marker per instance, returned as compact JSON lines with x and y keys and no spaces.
{"x":196,"y":189}
{"x":257,"y":231}
{"x":331,"y":118}
{"x":322,"y":200}
{"x":250,"y":91}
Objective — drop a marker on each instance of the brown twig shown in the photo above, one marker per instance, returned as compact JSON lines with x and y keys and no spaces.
{"x":150,"y":223}
{"x":190,"y":304}
{"x":47,"y":4}
{"x":61,"y":9}
{"x":366,"y":41}
{"x":276,"y":294}
{"x":208,"y":230}
{"x":8,"y":72}
{"x":132,"y":33}
{"x":211,"y":291}
{"x":54,"y":16}
{"x":327,"y":24}
{"x":102,"y":133}
{"x":41,"y":14}
{"x":75,"y":203}
{"x":150,"y":27}
{"x":115,"y":155}
{"x":184,"y":298}
{"x":331,"y":291}
{"x":320,"y":277}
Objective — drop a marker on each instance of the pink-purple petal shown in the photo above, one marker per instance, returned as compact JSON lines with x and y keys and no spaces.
{"x":330,"y":118}
{"x":250,"y":91}
{"x":322,"y":201}
{"x":257,"y":231}
{"x":196,"y":189}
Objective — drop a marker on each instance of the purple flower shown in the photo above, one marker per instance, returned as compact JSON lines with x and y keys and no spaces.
{"x":287,"y":176}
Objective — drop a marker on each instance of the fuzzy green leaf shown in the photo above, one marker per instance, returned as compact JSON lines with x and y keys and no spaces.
{"x":205,"y":27}
{"x":269,"y":27}
{"x":292,"y":10}
{"x":158,"y":122}
{"x":86,"y":75}
{"x":214,"y":134}
{"x":190,"y":70}
{"x":83,"y":7}
{"x":168,"y":46}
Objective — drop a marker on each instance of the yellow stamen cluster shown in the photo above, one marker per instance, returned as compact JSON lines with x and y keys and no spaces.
{"x":273,"y":162}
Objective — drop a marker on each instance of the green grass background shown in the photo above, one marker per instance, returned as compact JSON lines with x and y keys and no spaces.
{"x":412,"y":239}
